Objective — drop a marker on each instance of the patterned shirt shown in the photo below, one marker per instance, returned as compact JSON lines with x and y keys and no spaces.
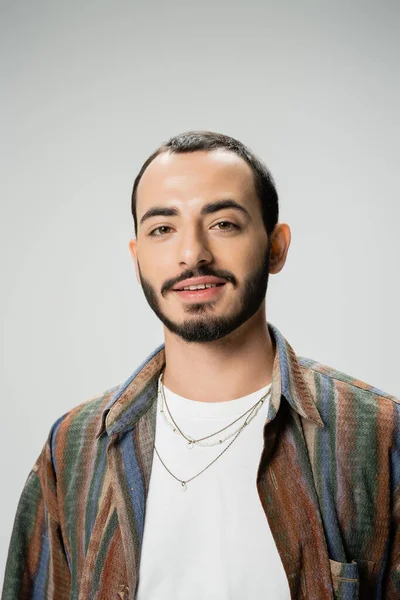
{"x":328,"y":481}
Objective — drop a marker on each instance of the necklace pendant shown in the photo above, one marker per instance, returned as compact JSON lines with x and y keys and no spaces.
{"x":184,"y":486}
{"x":190,"y":445}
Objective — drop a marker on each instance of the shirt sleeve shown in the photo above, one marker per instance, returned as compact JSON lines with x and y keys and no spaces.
{"x":393,"y":570}
{"x":37,"y":564}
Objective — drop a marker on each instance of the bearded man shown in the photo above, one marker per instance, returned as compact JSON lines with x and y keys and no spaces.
{"x":226,"y":466}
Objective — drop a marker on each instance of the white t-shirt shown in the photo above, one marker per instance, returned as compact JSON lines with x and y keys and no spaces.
{"x":212,"y":541}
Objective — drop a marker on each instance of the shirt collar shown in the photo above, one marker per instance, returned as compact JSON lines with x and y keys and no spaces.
{"x":135,"y":396}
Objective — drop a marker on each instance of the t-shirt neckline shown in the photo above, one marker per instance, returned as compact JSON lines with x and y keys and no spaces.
{"x":213,"y":410}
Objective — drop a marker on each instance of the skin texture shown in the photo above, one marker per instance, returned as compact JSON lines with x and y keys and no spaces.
{"x":219,"y":349}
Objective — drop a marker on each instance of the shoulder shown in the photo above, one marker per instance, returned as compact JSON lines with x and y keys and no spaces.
{"x":75,"y":432}
{"x":71,"y":446}
{"x":343,"y":380}
{"x":353,"y":397}
{"x":84,"y":417}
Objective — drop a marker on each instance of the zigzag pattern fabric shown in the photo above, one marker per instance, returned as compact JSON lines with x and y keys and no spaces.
{"x":328,"y":481}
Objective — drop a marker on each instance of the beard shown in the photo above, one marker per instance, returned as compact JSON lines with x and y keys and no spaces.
{"x":203,"y":326}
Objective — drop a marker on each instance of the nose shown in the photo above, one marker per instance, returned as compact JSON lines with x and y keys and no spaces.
{"x":193,"y":249}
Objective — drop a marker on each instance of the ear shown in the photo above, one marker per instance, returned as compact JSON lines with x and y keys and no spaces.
{"x":133,"y":251}
{"x":280,"y":242}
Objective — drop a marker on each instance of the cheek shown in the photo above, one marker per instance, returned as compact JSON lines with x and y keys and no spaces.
{"x":255,"y":249}
{"x":243,"y":257}
{"x":155,"y":271}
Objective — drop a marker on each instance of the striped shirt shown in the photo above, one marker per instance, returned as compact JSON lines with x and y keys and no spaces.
{"x":328,"y":482}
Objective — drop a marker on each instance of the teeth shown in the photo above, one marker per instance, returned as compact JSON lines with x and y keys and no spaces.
{"x":201,"y":286}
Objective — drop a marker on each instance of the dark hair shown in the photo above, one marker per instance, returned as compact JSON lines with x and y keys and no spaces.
{"x":190,"y":141}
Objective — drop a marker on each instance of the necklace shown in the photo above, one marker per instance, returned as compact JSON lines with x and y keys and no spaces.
{"x":184,"y":483}
{"x":191,"y":442}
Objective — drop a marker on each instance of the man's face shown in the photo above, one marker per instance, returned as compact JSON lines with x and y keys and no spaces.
{"x":201,"y":238}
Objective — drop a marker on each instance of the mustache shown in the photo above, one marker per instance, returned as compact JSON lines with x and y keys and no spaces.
{"x":201,"y":272}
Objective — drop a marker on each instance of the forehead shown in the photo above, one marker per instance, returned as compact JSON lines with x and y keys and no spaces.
{"x":195,"y":175}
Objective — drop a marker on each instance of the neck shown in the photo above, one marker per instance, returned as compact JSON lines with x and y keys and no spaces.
{"x":223,"y":370}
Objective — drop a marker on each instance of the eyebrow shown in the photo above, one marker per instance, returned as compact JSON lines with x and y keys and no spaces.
{"x":207,"y":209}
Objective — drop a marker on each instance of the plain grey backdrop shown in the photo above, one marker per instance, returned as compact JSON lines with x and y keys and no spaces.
{"x":90,"y":89}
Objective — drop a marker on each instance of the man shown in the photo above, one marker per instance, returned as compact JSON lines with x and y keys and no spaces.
{"x":226,"y":466}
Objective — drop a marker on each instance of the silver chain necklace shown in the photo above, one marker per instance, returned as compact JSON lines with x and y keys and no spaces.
{"x":191,"y":442}
{"x":185,"y":482}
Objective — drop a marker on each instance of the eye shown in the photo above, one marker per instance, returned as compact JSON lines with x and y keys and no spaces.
{"x":152,"y":233}
{"x":161,"y":229}
{"x":232,"y":227}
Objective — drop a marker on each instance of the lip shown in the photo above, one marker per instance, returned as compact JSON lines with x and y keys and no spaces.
{"x":199,"y":295}
{"x":198,"y":281}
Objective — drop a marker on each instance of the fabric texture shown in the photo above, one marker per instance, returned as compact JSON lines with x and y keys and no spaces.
{"x":328,"y":482}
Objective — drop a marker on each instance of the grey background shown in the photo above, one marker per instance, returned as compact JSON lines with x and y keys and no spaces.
{"x":88,"y":90}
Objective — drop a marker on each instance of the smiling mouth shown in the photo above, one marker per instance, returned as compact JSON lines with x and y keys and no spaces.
{"x":206,"y":293}
{"x":196,"y":288}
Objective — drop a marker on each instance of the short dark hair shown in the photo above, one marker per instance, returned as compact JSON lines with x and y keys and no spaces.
{"x":191,"y":141}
